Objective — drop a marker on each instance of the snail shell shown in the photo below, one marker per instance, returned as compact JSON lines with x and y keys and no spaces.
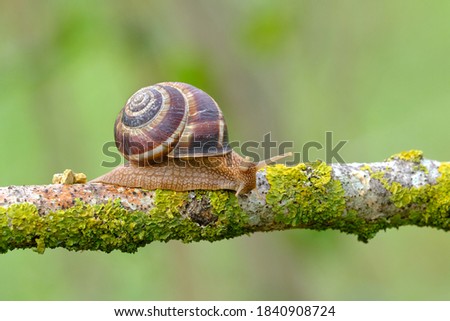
{"x":170,"y":119}
{"x":175,"y":137}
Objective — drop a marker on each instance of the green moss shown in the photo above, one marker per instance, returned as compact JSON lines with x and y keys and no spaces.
{"x":307,"y":196}
{"x":304,"y":196}
{"x":232,"y":220}
{"x":427,"y":205}
{"x":18,"y":225}
{"x":109,"y":226}
{"x":168,"y":203}
{"x":438,"y":210}
{"x":354,"y":223}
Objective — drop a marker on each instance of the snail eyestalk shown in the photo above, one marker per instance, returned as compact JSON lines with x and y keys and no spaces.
{"x":246,"y":163}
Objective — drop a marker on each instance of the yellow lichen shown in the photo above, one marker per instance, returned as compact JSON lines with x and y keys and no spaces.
{"x":69,"y":177}
{"x":366,"y":167}
{"x":415,"y":156}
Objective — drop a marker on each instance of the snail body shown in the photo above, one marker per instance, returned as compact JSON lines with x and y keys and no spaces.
{"x":175,"y":137}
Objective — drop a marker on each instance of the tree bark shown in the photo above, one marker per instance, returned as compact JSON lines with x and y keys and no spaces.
{"x":357,"y":198}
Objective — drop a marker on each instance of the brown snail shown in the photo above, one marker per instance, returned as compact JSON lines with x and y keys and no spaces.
{"x":175,"y":137}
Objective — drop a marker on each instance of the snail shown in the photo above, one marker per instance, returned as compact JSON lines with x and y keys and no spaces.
{"x":174,"y":136}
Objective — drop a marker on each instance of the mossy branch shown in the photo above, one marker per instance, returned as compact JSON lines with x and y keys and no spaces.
{"x":359,"y":199}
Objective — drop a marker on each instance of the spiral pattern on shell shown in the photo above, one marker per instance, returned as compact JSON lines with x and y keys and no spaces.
{"x":170,"y":119}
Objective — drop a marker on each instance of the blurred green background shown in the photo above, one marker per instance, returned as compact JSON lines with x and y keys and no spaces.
{"x":375,"y":73}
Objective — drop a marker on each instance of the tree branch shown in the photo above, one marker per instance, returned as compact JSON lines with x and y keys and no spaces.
{"x":360,"y":199}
